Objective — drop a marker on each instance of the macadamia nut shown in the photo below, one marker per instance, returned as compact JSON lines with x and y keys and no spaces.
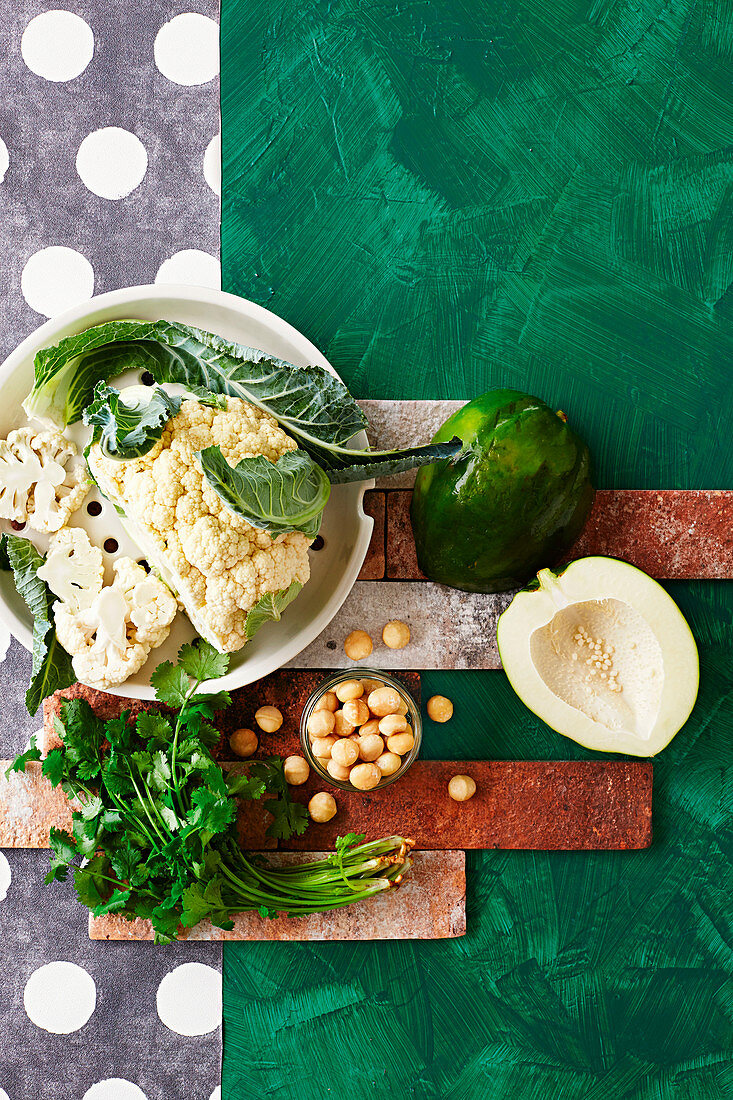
{"x":461,"y":788}
{"x":296,"y":770}
{"x":345,"y":752}
{"x":336,"y":771}
{"x":356,"y":711}
{"x":392,"y":723}
{"x":401,"y":743}
{"x":321,"y":746}
{"x":342,"y":726}
{"x":440,"y":709}
{"x":349,"y":689}
{"x":320,"y":723}
{"x":328,"y":701}
{"x":243,"y":742}
{"x":383,"y":701}
{"x":358,"y":645}
{"x":322,"y":807}
{"x":371,"y":746}
{"x":365,"y":777}
{"x":389,"y":763}
{"x":396,"y":634}
{"x":268,"y":719}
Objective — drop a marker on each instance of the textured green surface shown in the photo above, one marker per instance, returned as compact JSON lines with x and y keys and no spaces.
{"x":451,"y":196}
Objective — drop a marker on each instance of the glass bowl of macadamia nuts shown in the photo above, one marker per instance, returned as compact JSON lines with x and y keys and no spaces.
{"x":360,"y":732}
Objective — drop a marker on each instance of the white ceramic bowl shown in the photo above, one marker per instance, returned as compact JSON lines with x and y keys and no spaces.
{"x":346,"y":530}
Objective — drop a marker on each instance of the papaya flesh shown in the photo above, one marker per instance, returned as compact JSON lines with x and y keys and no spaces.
{"x":513,"y":501}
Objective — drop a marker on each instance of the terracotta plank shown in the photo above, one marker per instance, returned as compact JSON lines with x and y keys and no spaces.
{"x":400,"y":553}
{"x":30,"y":807}
{"x":532,"y":804}
{"x":429,"y":905}
{"x":373,"y":567}
{"x":670,"y":534}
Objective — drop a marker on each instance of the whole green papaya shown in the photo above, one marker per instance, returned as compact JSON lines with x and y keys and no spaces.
{"x":512,"y":502}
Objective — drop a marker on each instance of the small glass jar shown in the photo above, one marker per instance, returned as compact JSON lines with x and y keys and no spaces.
{"x":330,"y":684}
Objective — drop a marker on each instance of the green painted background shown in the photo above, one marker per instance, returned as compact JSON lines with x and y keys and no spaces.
{"x":446,"y":196}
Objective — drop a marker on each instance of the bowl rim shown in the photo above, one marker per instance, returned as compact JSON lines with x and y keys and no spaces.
{"x":88,"y":313}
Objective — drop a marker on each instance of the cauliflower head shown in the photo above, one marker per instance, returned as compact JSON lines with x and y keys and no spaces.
{"x":73,"y":569}
{"x":111,"y":639}
{"x":217,"y":563}
{"x":39,"y":484}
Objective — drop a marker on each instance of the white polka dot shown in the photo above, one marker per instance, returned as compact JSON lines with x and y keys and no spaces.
{"x":5,"y":878}
{"x":57,"y":45}
{"x":4,"y":165}
{"x":216,"y":1094}
{"x":114,"y":1088}
{"x":60,"y":997}
{"x":4,"y":1095}
{"x":212,"y":164}
{"x":192,"y":267}
{"x":55,"y":279}
{"x":189,"y":999}
{"x":112,"y":162}
{"x":187,"y":49}
{"x":4,"y":645}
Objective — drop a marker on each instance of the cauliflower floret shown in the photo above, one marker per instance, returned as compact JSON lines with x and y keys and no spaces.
{"x":73,"y":569}
{"x":112,"y":639}
{"x":39,"y":485}
{"x":217,"y":563}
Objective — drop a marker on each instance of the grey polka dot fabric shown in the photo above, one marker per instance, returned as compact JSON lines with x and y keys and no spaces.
{"x":109,"y":148}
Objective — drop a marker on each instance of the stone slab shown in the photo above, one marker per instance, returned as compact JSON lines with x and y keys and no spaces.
{"x":30,"y":807}
{"x":429,"y":904}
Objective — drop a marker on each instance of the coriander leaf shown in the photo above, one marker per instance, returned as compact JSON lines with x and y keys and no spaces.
{"x":154,"y":728}
{"x":62,"y":844}
{"x":171,"y":684}
{"x":83,"y":732}
{"x":129,"y":424}
{"x":160,"y":773}
{"x":277,"y":497}
{"x":89,"y":881}
{"x":117,"y":900}
{"x":126,"y":860}
{"x":289,"y":819}
{"x":169,"y":816}
{"x":201,"y":661}
{"x":165,"y":919}
{"x":270,"y":608}
{"x":23,"y":758}
{"x":92,"y":808}
{"x":53,"y":766}
{"x":245,"y":787}
{"x":212,"y":813}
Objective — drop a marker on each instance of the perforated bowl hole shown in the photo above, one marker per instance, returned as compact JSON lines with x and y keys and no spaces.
{"x":94,"y":508}
{"x":147,"y":379}
{"x":318,"y":543}
{"x":111,"y":546}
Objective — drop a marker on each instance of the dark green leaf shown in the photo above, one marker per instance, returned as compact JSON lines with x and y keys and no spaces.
{"x":154,"y":729}
{"x":117,"y":900}
{"x":83,"y":732}
{"x":53,"y":766}
{"x":23,"y":758}
{"x":269,"y":608}
{"x":312,"y":406}
{"x":51,"y":668}
{"x":129,"y":424}
{"x":4,"y":559}
{"x":277,"y":497}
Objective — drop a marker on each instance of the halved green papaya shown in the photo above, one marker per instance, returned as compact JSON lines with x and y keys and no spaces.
{"x":514,"y":499}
